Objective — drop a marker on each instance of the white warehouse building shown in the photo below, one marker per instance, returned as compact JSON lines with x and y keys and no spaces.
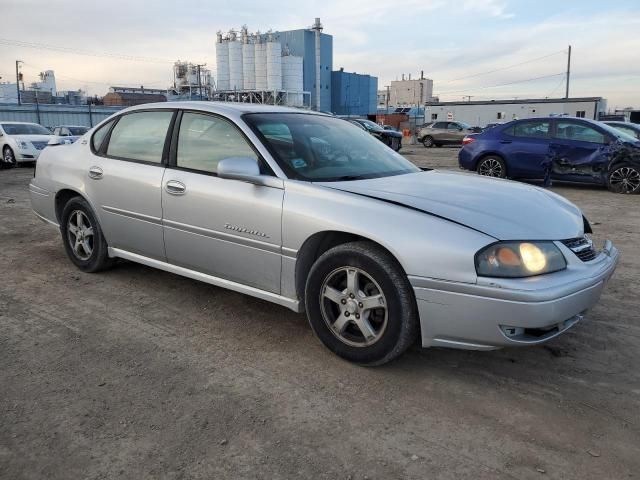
{"x":480,"y":113}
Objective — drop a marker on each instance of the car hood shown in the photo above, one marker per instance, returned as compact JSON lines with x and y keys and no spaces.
{"x":503,"y":209}
{"x":31,"y":138}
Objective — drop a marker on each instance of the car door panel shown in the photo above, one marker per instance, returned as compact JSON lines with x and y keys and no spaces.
{"x":526,"y":150}
{"x":226,"y":228}
{"x":127,"y":195}
{"x":126,"y":191}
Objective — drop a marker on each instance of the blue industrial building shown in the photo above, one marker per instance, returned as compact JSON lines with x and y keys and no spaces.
{"x":353,"y":93}
{"x":302,"y":43}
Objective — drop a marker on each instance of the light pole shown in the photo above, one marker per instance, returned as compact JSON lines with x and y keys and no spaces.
{"x":18,"y":74}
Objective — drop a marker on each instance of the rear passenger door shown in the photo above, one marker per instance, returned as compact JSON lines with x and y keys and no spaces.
{"x":124,"y":180}
{"x":525,"y":146}
{"x":222,"y":227}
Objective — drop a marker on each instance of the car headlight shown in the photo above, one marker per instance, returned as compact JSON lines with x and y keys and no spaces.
{"x":23,"y":145}
{"x":519,"y":259}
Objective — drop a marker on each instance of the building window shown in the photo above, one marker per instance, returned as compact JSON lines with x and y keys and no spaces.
{"x":580,"y":113}
{"x":501,"y":115}
{"x":434,"y":116}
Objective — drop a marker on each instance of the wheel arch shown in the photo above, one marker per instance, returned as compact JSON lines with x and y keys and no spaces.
{"x":320,"y":242}
{"x":62,"y":198}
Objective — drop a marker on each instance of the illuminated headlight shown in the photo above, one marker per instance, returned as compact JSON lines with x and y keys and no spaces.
{"x":519,"y":259}
{"x":23,"y":145}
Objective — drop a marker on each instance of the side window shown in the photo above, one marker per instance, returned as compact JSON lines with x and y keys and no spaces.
{"x":454,"y":126}
{"x":579,"y":132}
{"x":434,"y":116}
{"x":65,"y":132}
{"x":204,"y":140}
{"x":530,"y":130}
{"x":98,"y":136}
{"x":56,"y":131}
{"x":580,"y":113}
{"x":140,"y":136}
{"x":442,"y":125}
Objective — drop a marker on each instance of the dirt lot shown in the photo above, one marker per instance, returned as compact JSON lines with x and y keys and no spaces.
{"x":136,"y":373}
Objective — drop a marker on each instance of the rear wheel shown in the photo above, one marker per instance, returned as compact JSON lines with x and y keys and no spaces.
{"x":624,"y":178}
{"x":83,"y":239}
{"x":8,"y":158}
{"x":360,"y":304}
{"x":428,"y":141}
{"x":492,"y":166}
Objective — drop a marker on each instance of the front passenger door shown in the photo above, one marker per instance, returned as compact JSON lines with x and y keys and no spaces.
{"x":222,"y":227}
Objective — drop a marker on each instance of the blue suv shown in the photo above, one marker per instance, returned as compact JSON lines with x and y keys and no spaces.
{"x":556,"y":148}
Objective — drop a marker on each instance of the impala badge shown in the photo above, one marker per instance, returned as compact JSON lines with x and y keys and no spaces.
{"x":238,"y":229}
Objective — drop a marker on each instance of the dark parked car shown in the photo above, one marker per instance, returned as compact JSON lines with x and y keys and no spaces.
{"x":556,"y":148}
{"x":632,"y":129}
{"x":390,"y":138}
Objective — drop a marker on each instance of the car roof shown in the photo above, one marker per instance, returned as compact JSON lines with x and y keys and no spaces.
{"x":228,"y":108}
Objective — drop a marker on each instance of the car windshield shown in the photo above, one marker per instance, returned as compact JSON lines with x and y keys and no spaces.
{"x":24,"y":129}
{"x":369,"y":125}
{"x":78,"y":130}
{"x":324,"y":149}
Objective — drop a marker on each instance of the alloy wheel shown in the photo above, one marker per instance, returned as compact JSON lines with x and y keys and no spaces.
{"x":353,"y":306}
{"x":80,"y":235}
{"x":625,"y":180}
{"x":490,"y":167}
{"x":8,"y":157}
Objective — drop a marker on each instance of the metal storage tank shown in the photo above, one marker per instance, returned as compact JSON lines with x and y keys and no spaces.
{"x":235,"y":63}
{"x":222,"y":62}
{"x":274,"y":64}
{"x":292,"y":80}
{"x":260,"y":64}
{"x":248,"y":61}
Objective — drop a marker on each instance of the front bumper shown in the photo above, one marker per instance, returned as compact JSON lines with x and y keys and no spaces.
{"x":27,"y":155}
{"x":528,"y":312}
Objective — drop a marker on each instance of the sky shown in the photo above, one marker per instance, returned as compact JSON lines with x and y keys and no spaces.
{"x":487,"y":49}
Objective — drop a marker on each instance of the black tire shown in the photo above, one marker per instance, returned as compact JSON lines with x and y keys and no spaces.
{"x":624,"y":178}
{"x":8,"y":158}
{"x":492,"y":166}
{"x":98,"y":258}
{"x":428,"y":141}
{"x":400,"y":327}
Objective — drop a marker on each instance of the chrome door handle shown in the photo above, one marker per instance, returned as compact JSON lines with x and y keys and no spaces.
{"x":95,"y":173}
{"x":175,"y":188}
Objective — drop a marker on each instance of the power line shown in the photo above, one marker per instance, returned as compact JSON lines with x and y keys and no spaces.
{"x":76,"y":51}
{"x":556,"y":87}
{"x":503,"y":84}
{"x":503,"y":68}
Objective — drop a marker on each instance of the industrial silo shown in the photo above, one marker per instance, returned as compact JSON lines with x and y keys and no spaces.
{"x":235,"y":63}
{"x":248,"y":61}
{"x":292,"y":79}
{"x":222,"y":62}
{"x":260,"y":63}
{"x":274,"y":64}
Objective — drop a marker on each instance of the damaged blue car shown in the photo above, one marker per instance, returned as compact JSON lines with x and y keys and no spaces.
{"x":556,"y":148}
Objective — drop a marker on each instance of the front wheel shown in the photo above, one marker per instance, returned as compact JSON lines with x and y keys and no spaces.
{"x":8,"y":158}
{"x":624,"y":178}
{"x":360,"y":304}
{"x":83,"y":239}
{"x":492,"y":166}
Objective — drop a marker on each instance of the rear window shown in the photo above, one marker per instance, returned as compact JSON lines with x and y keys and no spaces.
{"x":140,"y":136}
{"x":534,"y":129}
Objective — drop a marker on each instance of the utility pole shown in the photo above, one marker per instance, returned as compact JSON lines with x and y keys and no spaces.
{"x":200,"y":78}
{"x":468,"y":97}
{"x":566,"y":95}
{"x":18,"y":80}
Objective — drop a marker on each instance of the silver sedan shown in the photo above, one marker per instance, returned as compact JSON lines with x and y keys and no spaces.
{"x":310,"y":212}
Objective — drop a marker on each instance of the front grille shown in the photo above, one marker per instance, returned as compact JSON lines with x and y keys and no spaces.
{"x":40,"y":145}
{"x":582,"y":247}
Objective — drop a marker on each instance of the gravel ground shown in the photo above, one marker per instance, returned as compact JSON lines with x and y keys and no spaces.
{"x":137,"y":373}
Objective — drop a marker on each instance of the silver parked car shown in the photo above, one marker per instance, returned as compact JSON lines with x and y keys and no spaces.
{"x":311,"y":212}
{"x":21,"y":142}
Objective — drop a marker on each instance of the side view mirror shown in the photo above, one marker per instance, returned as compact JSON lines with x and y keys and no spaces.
{"x":247,"y":170}
{"x":59,"y":141}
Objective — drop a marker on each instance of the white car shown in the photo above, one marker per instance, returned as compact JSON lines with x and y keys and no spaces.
{"x":22,"y":142}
